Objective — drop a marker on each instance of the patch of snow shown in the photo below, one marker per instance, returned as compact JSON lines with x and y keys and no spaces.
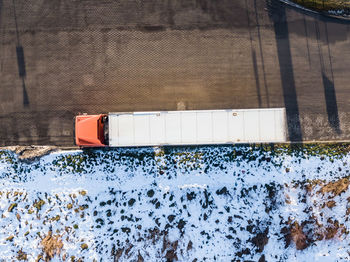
{"x":204,"y":203}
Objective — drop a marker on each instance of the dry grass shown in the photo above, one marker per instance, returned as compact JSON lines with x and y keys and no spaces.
{"x":52,"y":246}
{"x":298,"y":236}
{"x":320,"y":224}
{"x":325,"y":5}
{"x":336,"y":188}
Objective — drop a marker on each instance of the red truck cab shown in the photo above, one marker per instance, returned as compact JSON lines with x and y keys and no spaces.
{"x":90,"y":130}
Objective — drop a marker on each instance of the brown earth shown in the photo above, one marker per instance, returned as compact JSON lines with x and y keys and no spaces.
{"x":31,"y":153}
{"x":304,"y":233}
{"x":60,"y":58}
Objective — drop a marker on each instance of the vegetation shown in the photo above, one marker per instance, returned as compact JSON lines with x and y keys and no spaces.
{"x":339,"y":6}
{"x":185,"y":158}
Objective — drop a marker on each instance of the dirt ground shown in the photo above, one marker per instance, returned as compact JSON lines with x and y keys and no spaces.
{"x":61,"y":58}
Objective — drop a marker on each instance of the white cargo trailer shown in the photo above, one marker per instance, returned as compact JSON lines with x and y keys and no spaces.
{"x":200,"y":127}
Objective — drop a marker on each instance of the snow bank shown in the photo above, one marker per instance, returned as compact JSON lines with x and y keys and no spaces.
{"x":187,"y":204}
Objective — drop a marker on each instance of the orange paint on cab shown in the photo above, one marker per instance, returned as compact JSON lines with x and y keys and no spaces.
{"x":89,"y":130}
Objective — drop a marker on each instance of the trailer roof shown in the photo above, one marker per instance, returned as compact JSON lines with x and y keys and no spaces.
{"x":197,"y":127}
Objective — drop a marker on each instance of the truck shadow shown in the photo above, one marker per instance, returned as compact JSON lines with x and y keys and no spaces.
{"x":331,"y":104}
{"x":333,"y":30}
{"x":328,"y":82}
{"x":277,"y":13}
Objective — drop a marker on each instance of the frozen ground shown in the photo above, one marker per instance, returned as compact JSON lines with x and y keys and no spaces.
{"x":188,"y":204}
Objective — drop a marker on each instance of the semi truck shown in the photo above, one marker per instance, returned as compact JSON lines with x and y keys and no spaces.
{"x":190,"y":127}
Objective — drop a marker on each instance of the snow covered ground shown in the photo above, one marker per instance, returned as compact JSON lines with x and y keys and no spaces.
{"x":229,"y":203}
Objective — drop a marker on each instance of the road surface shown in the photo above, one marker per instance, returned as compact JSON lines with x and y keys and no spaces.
{"x":61,"y":58}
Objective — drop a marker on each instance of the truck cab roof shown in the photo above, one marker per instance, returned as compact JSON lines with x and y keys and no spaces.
{"x":89,"y":130}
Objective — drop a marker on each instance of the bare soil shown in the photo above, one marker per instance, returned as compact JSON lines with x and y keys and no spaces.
{"x":31,"y":153}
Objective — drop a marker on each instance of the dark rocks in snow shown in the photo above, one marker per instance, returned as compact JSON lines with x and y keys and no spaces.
{"x":157,"y":221}
{"x":205,"y":216}
{"x":262,"y":258}
{"x":232,"y":230}
{"x":206,"y":203}
{"x":150,"y":193}
{"x":250,"y":228}
{"x":171,"y":255}
{"x":131,"y":202}
{"x":100,"y":221}
{"x":181,"y":224}
{"x":171,"y":218}
{"x":245,"y":251}
{"x":191,"y":196}
{"x":126,"y":230}
{"x":222,"y":191}
{"x":189,"y":245}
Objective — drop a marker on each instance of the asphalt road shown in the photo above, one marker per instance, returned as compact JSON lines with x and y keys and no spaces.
{"x":60,"y":58}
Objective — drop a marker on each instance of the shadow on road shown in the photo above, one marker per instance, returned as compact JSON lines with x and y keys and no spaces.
{"x":261,"y":53}
{"x":328,"y":84}
{"x":331,"y":103}
{"x":277,"y":13}
{"x":253,"y":53}
{"x":20,"y":61}
{"x":0,"y":10}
